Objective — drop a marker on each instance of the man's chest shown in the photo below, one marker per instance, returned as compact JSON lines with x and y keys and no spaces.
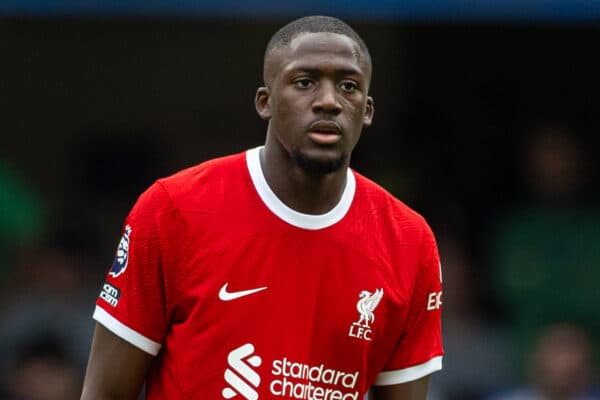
{"x":290,"y":312}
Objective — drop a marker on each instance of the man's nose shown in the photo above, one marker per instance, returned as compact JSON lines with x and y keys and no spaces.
{"x":326,"y":99}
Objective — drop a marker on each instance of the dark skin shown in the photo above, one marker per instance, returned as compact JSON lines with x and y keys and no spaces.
{"x":318,"y":77}
{"x":116,"y":369}
{"x":316,"y":101}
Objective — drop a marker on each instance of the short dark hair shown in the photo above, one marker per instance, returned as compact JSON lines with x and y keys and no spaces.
{"x":315,"y":24}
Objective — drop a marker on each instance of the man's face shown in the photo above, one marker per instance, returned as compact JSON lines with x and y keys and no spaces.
{"x":316,"y":100}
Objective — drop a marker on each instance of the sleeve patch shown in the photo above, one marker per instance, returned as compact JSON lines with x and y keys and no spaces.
{"x":110,"y":294}
{"x":121,"y":260}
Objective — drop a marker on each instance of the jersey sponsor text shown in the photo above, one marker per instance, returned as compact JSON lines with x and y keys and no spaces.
{"x":110,"y":294}
{"x":301,"y":381}
{"x":434,"y":301}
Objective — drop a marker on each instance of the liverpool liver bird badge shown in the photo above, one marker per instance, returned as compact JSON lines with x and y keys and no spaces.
{"x":366,"y":308}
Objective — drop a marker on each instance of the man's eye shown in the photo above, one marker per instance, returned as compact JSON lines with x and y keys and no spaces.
{"x":303,"y":83}
{"x":349,"y":87}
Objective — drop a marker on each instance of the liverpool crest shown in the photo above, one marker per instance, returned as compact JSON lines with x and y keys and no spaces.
{"x":365,"y":306}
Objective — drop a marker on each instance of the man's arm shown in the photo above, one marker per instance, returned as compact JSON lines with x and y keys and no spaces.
{"x":116,"y":369}
{"x":414,"y":390}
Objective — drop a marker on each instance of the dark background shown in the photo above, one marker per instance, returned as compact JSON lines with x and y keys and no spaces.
{"x":93,"y":110}
{"x":453,"y":103}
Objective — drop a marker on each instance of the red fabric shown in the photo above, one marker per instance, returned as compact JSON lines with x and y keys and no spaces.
{"x":206,"y":226}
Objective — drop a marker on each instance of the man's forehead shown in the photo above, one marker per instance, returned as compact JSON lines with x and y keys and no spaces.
{"x":326,"y":42}
{"x":322,"y":48}
{"x":317,"y":48}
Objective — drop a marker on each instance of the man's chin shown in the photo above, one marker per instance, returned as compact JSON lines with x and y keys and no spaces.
{"x":318,"y":165}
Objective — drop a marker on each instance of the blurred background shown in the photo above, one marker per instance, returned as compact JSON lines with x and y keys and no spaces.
{"x":487,"y":121}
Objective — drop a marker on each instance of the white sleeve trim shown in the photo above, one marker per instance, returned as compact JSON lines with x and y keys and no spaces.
{"x":124,"y":332}
{"x":409,"y":374}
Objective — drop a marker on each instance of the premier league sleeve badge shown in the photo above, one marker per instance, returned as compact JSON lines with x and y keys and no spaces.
{"x":119,"y":264}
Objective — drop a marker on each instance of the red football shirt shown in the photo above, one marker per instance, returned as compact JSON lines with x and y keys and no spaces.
{"x":240,"y":296}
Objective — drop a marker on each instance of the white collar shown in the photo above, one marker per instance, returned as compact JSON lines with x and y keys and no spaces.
{"x":293,"y":217}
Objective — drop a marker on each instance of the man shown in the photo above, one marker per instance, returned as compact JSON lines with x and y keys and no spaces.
{"x":279,"y":272}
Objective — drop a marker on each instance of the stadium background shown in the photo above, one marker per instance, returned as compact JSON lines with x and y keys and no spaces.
{"x":486,"y":120}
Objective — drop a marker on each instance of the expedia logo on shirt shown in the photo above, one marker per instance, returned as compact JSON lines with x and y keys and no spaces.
{"x":119,"y":264}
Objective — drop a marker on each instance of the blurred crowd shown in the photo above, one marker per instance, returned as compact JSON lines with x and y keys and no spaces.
{"x":521,"y":320}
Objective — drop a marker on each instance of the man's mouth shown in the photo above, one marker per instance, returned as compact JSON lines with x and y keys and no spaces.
{"x":325,"y":132}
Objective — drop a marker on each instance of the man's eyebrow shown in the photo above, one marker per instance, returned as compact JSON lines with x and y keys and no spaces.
{"x":317,"y":71}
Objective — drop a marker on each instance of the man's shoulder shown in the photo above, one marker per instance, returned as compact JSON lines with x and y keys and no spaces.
{"x":210,"y":169}
{"x":201,"y":182}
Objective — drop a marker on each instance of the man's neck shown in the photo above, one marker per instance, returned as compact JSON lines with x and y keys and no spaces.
{"x":303,"y":192}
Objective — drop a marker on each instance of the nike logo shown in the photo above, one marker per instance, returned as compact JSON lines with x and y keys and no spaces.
{"x":227,"y":296}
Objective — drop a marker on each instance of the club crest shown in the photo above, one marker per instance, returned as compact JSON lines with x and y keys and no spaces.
{"x":365,"y":306}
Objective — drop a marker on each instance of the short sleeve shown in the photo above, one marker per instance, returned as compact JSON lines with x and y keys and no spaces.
{"x":133,"y":302}
{"x":419,"y":349}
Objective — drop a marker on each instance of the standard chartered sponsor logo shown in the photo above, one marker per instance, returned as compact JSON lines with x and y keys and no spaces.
{"x":239,"y":360}
{"x":289,"y":379}
{"x":301,"y":381}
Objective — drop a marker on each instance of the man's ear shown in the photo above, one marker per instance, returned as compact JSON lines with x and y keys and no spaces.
{"x":262,"y":102}
{"x":369,"y":112}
